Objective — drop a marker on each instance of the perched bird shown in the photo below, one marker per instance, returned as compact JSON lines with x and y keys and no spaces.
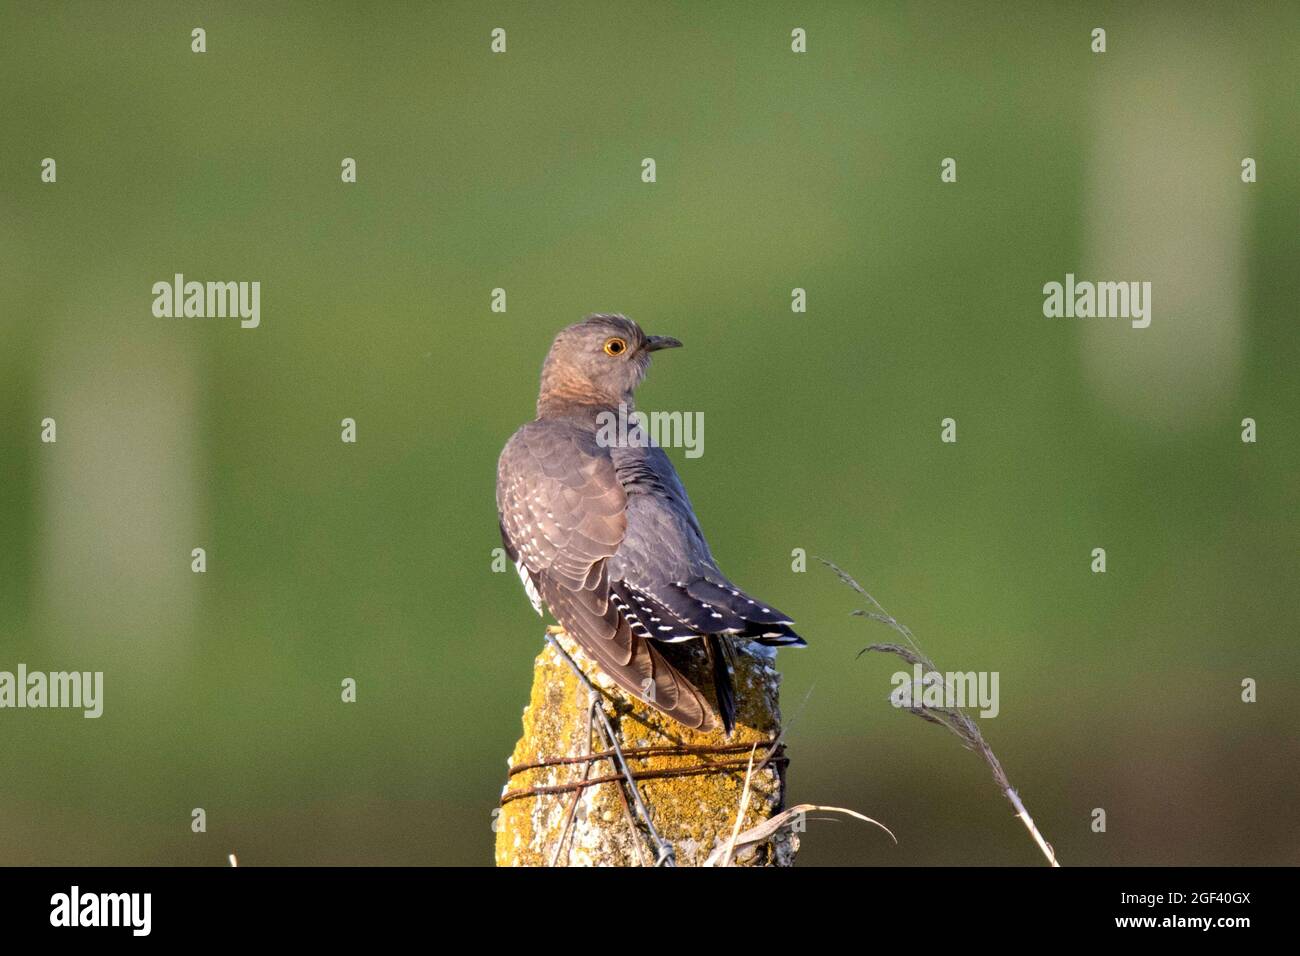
{"x":604,"y":535}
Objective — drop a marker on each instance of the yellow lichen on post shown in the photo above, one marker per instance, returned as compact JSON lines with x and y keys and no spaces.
{"x":691,"y":782}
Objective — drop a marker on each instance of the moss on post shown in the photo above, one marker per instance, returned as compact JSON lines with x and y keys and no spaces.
{"x":690,"y":781}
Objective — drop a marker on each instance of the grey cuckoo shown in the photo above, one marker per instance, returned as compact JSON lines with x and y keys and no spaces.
{"x":603,"y":534}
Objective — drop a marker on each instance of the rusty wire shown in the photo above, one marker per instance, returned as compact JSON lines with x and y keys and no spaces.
{"x":632,"y":753}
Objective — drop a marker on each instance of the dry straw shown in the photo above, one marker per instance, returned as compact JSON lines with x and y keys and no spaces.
{"x":953,"y":718}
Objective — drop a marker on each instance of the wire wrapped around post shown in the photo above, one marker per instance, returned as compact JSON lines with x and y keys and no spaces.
{"x":570,"y":800}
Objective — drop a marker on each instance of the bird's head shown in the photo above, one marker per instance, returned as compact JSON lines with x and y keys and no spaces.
{"x":598,"y":361}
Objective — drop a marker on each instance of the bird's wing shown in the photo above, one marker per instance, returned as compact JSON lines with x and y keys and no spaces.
{"x":667,"y":567}
{"x":563,"y":514}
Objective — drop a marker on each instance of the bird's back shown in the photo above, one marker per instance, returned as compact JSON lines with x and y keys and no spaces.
{"x":563,"y":516}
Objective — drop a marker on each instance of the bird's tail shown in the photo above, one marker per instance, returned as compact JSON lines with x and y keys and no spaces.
{"x":718,"y":651}
{"x":635,"y":664}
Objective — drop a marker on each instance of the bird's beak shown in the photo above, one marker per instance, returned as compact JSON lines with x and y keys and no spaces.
{"x":656,"y":342}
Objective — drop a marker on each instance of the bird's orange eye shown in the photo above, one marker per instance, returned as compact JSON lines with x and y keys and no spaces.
{"x":615,"y":346}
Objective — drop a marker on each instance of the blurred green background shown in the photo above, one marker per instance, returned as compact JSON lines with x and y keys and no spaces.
{"x":775,"y":171}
